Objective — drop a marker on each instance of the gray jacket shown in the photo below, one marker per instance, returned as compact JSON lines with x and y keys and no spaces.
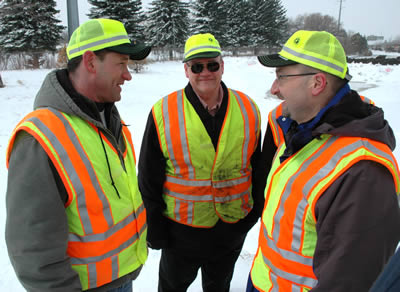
{"x":36,"y":224}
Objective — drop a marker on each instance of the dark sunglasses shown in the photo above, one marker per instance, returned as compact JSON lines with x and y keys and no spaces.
{"x":197,"y":68}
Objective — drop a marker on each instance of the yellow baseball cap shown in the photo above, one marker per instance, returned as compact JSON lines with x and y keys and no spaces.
{"x":202,"y":45}
{"x":317,"y":49}
{"x":98,"y":34}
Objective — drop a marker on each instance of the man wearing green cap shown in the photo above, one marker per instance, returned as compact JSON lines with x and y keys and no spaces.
{"x":196,"y":170}
{"x":331,"y":217}
{"x":75,"y":216}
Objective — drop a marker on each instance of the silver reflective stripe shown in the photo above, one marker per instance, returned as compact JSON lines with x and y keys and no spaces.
{"x":287,"y":254}
{"x":98,"y":43}
{"x":93,"y":178}
{"x":288,"y":190}
{"x":110,"y":232}
{"x":114,"y":267}
{"x":167,"y":128}
{"x":274,"y":281}
{"x":182,"y":133}
{"x":176,"y":211}
{"x":200,"y":48}
{"x":246,"y":125}
{"x":367,"y":100}
{"x":92,"y":275}
{"x":300,"y":280}
{"x":189,"y":211}
{"x":313,"y":59}
{"x":185,"y":197}
{"x":75,"y":180}
{"x":296,"y":288}
{"x":226,"y":199}
{"x":322,"y":173}
{"x":188,"y":183}
{"x":232,"y":182}
{"x":114,"y":252}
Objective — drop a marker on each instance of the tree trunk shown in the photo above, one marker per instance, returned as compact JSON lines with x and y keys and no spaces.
{"x":1,"y":82}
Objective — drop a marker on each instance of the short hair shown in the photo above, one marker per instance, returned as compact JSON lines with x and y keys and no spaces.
{"x":335,"y":81}
{"x":74,"y":63}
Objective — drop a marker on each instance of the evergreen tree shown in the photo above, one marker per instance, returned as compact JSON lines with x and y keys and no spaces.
{"x":129,"y":12}
{"x":30,"y":27}
{"x":268,"y":27}
{"x":168,"y":24}
{"x":203,"y":16}
{"x":235,"y":29}
{"x":210,"y":16}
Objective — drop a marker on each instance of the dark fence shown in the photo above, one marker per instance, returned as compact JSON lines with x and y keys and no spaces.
{"x":377,"y":60}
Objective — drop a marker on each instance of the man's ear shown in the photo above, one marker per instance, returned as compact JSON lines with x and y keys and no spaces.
{"x":186,"y":70}
{"x":319,"y":83}
{"x":89,"y":58}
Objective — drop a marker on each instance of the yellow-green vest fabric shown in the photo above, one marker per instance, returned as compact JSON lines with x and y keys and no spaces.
{"x":287,"y":240}
{"x":202,"y":184}
{"x":107,"y":233}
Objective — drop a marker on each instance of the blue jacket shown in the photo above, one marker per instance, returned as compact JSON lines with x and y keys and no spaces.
{"x":389,"y":279}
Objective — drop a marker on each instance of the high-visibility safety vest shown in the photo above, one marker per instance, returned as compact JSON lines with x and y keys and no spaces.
{"x":107,"y":233}
{"x":288,"y":237}
{"x":203,"y":184}
{"x":277,"y":133}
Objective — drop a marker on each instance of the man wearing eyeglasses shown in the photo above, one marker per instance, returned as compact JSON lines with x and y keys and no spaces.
{"x":331,"y":217}
{"x":196,"y":169}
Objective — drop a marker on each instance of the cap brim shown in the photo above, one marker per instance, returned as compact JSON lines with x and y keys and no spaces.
{"x":135,"y":51}
{"x":275,"y":60}
{"x":202,"y":55}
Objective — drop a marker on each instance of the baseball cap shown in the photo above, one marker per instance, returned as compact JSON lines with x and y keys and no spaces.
{"x":101,"y":33}
{"x":202,"y":45}
{"x":317,"y":49}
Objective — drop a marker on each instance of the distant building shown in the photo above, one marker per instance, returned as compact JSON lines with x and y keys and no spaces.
{"x":375,"y":38}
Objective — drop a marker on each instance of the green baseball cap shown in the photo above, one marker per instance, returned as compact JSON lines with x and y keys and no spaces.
{"x":98,"y":34}
{"x":202,"y":45}
{"x":316,"y":49}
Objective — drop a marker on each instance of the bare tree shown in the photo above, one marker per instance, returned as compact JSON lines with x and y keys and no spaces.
{"x":1,"y":82}
{"x":316,"y":21}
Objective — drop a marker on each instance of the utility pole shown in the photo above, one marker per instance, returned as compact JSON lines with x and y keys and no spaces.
{"x":73,"y":16}
{"x":340,"y":13}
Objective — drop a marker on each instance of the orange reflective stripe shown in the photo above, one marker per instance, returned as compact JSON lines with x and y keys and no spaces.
{"x":104,"y":268}
{"x":273,"y":124}
{"x":367,"y":100}
{"x":128,"y":137}
{"x":288,"y":238}
{"x":172,"y":123}
{"x":83,"y":252}
{"x":251,"y":128}
{"x":98,"y":243}
{"x":51,"y":122}
{"x":297,"y":272}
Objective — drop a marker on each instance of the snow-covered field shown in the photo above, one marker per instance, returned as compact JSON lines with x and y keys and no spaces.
{"x":380,"y":83}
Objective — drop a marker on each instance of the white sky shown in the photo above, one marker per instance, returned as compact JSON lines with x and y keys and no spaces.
{"x":245,"y":74}
{"x":364,"y":16}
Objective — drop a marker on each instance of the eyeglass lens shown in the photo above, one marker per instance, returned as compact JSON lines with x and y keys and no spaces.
{"x":198,"y":67}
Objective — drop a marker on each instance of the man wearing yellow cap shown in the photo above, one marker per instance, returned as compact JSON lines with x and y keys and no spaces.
{"x":75,"y":217}
{"x":196,"y":169}
{"x":331,"y":217}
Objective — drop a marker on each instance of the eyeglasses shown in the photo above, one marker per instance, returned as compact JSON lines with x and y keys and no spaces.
{"x":197,"y":68}
{"x":279,"y":77}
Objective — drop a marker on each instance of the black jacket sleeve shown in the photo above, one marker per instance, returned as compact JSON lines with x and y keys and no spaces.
{"x":358,"y":221}
{"x":151,"y":177}
{"x":36,"y":225}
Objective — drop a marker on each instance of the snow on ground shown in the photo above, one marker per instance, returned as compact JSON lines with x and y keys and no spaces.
{"x":378,"y":82}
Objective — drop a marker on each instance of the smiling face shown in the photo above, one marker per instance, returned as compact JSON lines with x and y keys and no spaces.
{"x":111,"y":73}
{"x":205,"y":83}
{"x":295,"y":91}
